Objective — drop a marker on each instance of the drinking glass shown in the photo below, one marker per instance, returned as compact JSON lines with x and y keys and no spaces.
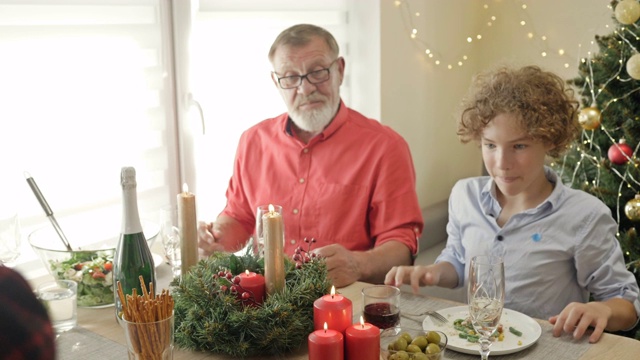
{"x":59,"y":297}
{"x":9,"y":237}
{"x":150,"y":340}
{"x":381,"y":306}
{"x":486,"y":297}
{"x":258,"y":238}
{"x":170,"y":236}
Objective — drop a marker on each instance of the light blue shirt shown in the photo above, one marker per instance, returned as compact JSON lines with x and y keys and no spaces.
{"x":557,"y":253}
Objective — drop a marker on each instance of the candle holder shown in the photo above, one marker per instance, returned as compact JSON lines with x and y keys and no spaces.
{"x":210,"y":317}
{"x":258,"y":237}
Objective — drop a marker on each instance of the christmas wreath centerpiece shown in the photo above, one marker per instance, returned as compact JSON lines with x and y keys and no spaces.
{"x":213,"y":313}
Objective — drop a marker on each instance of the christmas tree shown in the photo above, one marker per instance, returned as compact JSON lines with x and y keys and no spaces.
{"x":604,"y":160}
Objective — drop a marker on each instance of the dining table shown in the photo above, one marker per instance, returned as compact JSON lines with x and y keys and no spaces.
{"x":99,"y":336}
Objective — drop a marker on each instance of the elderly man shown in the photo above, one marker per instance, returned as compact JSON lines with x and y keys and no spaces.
{"x":342,"y":179}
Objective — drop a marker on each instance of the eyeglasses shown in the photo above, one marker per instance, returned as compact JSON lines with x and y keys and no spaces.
{"x":314,"y":77}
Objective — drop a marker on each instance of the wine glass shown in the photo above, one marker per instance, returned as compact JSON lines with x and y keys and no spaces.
{"x":486,"y":297}
{"x":170,"y":235}
{"x":10,"y":237}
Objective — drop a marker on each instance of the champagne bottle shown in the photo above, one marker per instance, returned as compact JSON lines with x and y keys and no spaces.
{"x":133,"y":257}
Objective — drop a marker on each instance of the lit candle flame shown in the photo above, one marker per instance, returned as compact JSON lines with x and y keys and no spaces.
{"x":271,"y":208}
{"x":325,"y":326}
{"x":247,"y":272}
{"x":185,"y":188}
{"x":333,"y":291}
{"x":361,"y":321}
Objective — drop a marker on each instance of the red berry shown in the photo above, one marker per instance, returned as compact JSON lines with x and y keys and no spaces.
{"x":236,"y":280}
{"x":234,"y":289}
{"x":245,"y":295}
{"x":223,"y":288}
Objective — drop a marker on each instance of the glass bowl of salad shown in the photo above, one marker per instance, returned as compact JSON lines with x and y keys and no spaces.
{"x":90,"y":264}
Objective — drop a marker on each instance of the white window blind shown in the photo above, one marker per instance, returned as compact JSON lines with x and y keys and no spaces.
{"x":84,"y":90}
{"x":230,"y":77}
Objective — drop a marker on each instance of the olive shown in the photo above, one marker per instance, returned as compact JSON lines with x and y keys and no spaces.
{"x":393,"y":356}
{"x":420,"y":341}
{"x":433,"y":337}
{"x":413,"y":349}
{"x":400,"y":344}
{"x":432,"y":349}
{"x":402,"y":355}
{"x":420,"y":356}
{"x":406,"y":336}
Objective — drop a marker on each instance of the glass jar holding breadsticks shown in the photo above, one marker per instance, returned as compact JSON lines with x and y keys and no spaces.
{"x":148,"y":323}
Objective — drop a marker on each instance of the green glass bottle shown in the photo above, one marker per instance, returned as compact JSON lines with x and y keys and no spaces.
{"x":133,"y":257}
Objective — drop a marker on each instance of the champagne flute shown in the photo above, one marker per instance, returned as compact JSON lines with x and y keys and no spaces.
{"x":486,"y":297}
{"x":10,"y":237}
{"x":170,"y":235}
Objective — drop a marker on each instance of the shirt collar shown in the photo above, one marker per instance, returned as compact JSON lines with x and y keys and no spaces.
{"x":489,"y":201}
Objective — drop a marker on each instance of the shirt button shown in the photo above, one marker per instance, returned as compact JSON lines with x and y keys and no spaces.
{"x":500,"y":238}
{"x":305,"y":150}
{"x":292,"y":241}
{"x":295,"y":211}
{"x":301,"y":180}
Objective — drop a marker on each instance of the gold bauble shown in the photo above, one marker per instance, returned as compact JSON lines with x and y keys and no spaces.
{"x":627,"y":11}
{"x":633,"y":66}
{"x":632,"y":208}
{"x":589,"y":118}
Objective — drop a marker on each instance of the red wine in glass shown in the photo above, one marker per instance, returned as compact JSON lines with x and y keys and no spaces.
{"x":382,"y":315}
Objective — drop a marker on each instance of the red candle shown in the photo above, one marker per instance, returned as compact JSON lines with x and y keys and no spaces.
{"x":326,"y":344}
{"x":362,"y":341}
{"x":254,"y":284}
{"x":334,"y":309}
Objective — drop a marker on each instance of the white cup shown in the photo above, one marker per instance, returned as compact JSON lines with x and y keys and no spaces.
{"x":59,"y":298}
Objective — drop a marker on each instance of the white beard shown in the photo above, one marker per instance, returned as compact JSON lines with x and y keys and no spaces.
{"x":314,"y":121}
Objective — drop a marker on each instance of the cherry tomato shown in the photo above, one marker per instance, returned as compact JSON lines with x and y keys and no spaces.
{"x":108,"y":266}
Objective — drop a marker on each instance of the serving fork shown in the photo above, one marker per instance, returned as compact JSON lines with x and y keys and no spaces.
{"x":433,"y":314}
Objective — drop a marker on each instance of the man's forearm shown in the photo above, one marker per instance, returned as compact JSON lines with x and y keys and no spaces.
{"x":375,"y":263}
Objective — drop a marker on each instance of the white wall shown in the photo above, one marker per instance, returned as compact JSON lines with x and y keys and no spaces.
{"x":419,"y":99}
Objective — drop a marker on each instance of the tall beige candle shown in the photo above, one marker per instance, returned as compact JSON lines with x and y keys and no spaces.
{"x":188,"y":226}
{"x":273,"y":228}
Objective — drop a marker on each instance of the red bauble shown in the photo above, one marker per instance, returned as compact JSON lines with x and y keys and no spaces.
{"x":617,"y":153}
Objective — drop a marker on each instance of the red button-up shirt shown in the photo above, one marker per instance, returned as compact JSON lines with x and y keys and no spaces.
{"x":353,"y":184}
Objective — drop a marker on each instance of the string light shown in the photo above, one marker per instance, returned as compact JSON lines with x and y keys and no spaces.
{"x":525,"y":22}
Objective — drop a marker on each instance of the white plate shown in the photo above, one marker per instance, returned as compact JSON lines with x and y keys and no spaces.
{"x":530,"y":329}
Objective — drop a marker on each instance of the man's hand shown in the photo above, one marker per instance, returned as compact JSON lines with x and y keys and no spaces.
{"x":224,"y":234}
{"x":342,"y":264}
{"x":207,"y":238}
{"x":346,"y":267}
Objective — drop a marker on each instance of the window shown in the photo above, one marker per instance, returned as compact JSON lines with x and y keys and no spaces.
{"x":230,"y":78}
{"x":85,"y":90}
{"x":89,"y":86}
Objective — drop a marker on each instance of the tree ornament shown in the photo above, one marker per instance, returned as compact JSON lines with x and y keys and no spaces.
{"x":627,"y":11}
{"x":619,"y":153}
{"x":589,"y":118}
{"x":633,"y":66}
{"x":632,"y":208}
